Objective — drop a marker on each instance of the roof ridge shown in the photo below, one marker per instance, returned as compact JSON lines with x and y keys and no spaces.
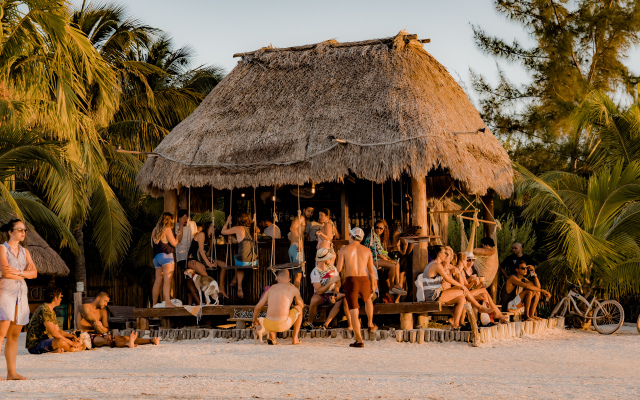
{"x":334,"y":43}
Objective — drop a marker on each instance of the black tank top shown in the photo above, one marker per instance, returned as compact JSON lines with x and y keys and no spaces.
{"x":162,"y":247}
{"x":245,"y":248}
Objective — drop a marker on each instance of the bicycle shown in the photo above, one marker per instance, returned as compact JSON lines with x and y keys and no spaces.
{"x":607,"y":316}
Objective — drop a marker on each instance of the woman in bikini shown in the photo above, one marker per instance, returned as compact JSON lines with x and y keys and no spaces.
{"x":433,"y":277}
{"x":197,"y":257}
{"x":164,"y":244}
{"x":480,"y":294}
{"x":17,"y":265}
{"x":246,"y":253}
{"x":326,"y":234}
{"x":378,"y":242}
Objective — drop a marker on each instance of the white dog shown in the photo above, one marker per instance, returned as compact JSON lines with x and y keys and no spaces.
{"x":206,"y":285}
{"x":259,"y":331}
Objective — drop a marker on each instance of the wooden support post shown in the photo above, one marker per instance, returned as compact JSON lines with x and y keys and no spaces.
{"x":77,"y":303}
{"x":344,"y":213}
{"x":142,"y":323}
{"x":419,"y":216}
{"x":471,"y":316}
{"x":171,"y":201}
{"x":489,"y":230}
{"x":423,"y":320}
{"x":406,"y":321}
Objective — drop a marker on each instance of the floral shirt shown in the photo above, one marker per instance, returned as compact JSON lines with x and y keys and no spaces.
{"x":322,"y":277}
{"x":36,"y":331}
{"x":376,"y":247}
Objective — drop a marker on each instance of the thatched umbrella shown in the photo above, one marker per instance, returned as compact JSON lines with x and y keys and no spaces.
{"x":47,"y":261}
{"x":275,"y":118}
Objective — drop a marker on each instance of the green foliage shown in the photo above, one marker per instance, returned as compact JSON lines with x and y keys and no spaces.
{"x":578,"y":46}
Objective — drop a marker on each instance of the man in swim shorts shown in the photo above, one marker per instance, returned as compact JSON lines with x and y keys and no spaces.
{"x":92,"y":318}
{"x":280,"y":315}
{"x":357,"y":262}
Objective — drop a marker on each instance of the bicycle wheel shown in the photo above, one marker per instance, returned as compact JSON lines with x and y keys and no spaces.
{"x":560,"y":309}
{"x":608,"y":317}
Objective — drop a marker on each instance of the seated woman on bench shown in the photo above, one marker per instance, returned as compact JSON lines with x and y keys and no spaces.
{"x":434,"y":275}
{"x":459,"y":272}
{"x":378,"y":242}
{"x":246,"y":252}
{"x":197,"y":258}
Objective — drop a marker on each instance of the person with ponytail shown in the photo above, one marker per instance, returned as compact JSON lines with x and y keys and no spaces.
{"x":164,"y":243}
{"x":16,"y":266}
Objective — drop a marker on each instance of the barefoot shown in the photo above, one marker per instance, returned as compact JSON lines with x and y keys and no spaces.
{"x":296,"y":341}
{"x":155,"y":340}
{"x":240,"y":292}
{"x":169,"y":305}
{"x":16,"y":377}
{"x":132,"y":339}
{"x":485,"y":310}
{"x":234,"y":282}
{"x":223,"y":294}
{"x":57,"y":351}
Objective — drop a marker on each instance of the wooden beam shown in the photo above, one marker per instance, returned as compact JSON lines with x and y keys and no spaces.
{"x":419,"y":217}
{"x":452,"y":211}
{"x":489,"y":230}
{"x":344,"y":213}
{"x":486,"y":221}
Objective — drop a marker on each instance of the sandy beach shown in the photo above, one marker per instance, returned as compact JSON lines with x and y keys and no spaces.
{"x":559,"y":364}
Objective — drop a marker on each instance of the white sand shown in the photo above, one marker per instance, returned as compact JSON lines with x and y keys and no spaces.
{"x":562,"y":364}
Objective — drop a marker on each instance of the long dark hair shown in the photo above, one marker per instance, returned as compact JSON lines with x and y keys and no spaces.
{"x":8,"y":227}
{"x":384,"y":236}
{"x":205,"y":230}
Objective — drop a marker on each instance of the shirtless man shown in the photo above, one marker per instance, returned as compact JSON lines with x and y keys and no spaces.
{"x":92,"y":318}
{"x":296,"y":238}
{"x":280,"y":316}
{"x":360,"y":280}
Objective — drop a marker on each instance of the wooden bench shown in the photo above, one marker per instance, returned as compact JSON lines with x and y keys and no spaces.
{"x":121,"y":315}
{"x":239,"y":314}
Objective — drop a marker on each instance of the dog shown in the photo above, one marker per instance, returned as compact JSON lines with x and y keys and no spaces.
{"x":259,"y":331}
{"x":206,"y":285}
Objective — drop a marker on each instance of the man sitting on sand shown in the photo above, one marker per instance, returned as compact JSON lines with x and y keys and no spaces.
{"x":357,"y":261}
{"x":280,"y":316}
{"x":43,"y":333}
{"x":92,"y":318}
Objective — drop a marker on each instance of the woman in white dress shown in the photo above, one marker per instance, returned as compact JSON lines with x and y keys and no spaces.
{"x":17,"y":265}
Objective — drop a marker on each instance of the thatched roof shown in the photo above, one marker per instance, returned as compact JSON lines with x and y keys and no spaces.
{"x":47,"y":261}
{"x":272,"y":119}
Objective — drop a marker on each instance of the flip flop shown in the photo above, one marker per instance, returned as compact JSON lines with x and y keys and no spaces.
{"x":271,"y":342}
{"x":357,"y":344}
{"x":373,"y":328}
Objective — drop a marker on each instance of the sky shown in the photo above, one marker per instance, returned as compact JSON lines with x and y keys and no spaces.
{"x":218,"y":29}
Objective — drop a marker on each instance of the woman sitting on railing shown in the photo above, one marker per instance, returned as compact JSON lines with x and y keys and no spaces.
{"x":378,"y":242}
{"x":247,"y":253}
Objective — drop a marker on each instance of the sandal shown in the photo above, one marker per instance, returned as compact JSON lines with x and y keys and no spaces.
{"x":357,"y":344}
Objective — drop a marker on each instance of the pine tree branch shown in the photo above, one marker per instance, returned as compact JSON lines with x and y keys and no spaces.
{"x":573,"y":54}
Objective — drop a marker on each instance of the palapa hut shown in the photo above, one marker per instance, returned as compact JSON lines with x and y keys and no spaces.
{"x":376,"y":110}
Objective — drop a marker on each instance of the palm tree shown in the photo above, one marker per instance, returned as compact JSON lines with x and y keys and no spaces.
{"x":592,"y":220}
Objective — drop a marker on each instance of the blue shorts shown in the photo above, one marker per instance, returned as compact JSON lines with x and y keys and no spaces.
{"x":239,"y":263}
{"x":162,"y":259}
{"x":293,"y":257}
{"x":44,"y":346}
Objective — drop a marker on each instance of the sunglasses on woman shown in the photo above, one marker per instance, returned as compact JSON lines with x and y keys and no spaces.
{"x":20,"y":230}
{"x":379,"y":228}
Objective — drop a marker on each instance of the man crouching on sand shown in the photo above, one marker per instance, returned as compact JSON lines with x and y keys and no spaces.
{"x":92,"y":318}
{"x":360,"y":280}
{"x":280,"y":316}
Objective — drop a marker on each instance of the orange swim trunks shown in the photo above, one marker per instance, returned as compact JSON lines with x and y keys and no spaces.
{"x":354,"y":287}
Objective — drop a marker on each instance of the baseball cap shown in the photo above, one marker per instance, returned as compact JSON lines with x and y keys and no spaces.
{"x":470,"y":255}
{"x":357,"y":233}
{"x":325,"y":254}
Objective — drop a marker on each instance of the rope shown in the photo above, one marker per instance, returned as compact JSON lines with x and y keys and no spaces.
{"x":214,"y":251}
{"x":189,"y":206}
{"x":337,"y":142}
{"x":382,"y":200}
{"x":300,"y":238}
{"x":227,"y":257}
{"x":391,"y":202}
{"x":273,"y":237}
{"x":254,"y":249}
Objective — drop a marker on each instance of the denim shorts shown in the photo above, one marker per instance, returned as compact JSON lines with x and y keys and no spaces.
{"x":162,"y":259}
{"x":44,"y":346}
{"x":244,"y":263}
{"x":293,"y":257}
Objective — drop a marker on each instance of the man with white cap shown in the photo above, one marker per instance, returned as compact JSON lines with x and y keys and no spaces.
{"x":325,"y":280}
{"x":357,"y":262}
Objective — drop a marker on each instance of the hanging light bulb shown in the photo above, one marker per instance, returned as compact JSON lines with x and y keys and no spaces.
{"x":273,"y":198}
{"x":241,"y":194}
{"x":313,"y":187}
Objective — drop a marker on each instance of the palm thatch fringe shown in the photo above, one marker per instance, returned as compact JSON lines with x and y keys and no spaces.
{"x":273,"y":119}
{"x":47,"y":261}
